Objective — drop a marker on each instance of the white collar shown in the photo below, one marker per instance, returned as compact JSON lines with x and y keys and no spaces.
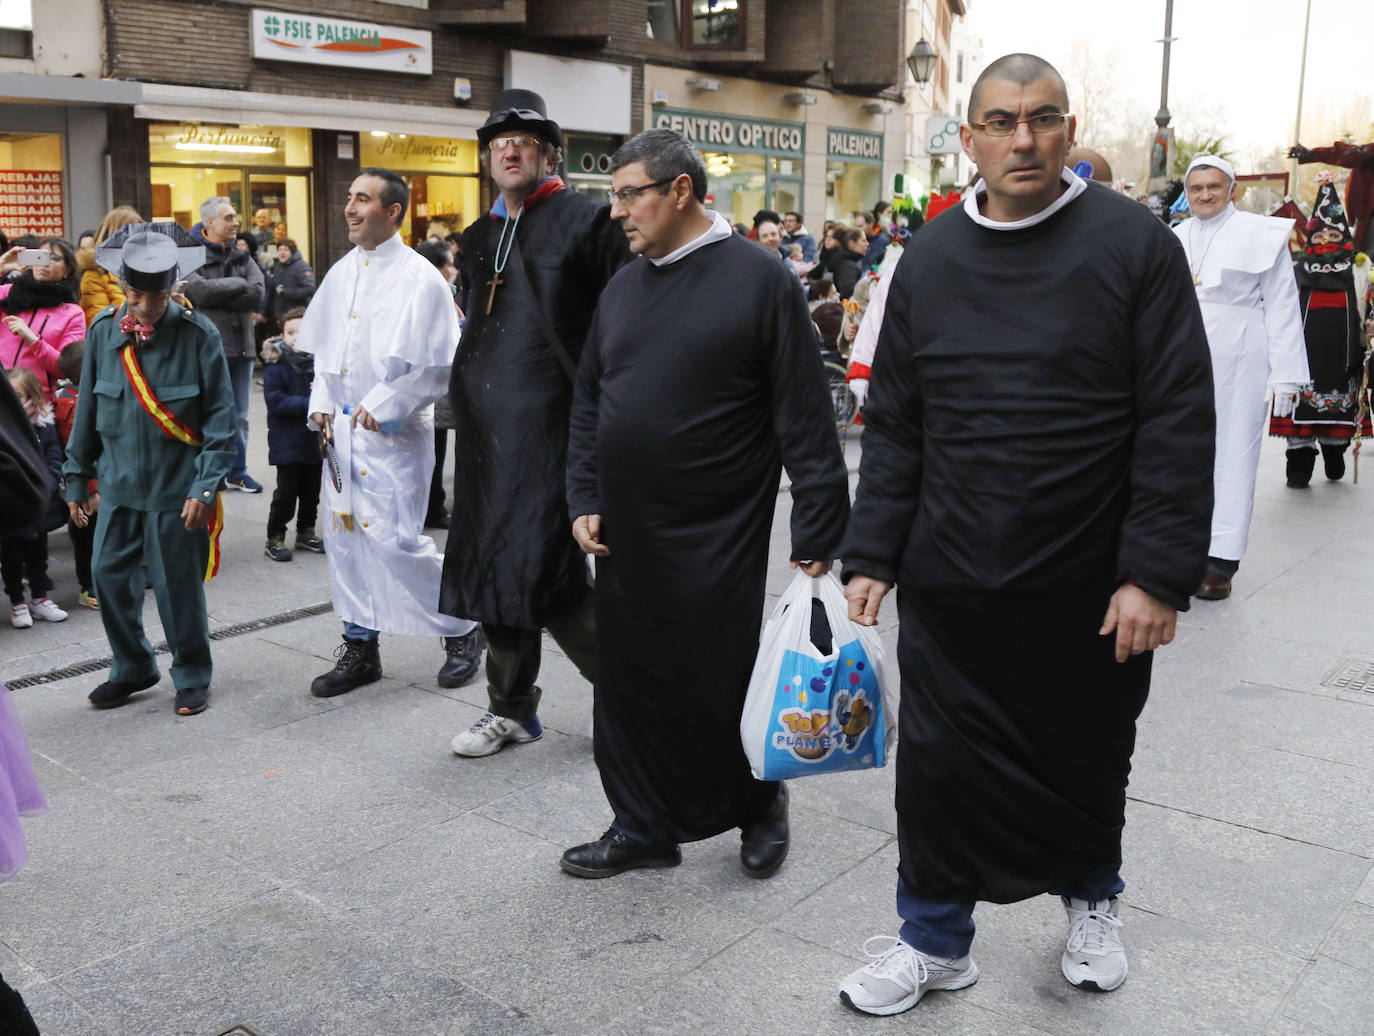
{"x":719,"y":230}
{"x":1076,"y":186}
{"x":391,"y":246}
{"x":1215,"y":222}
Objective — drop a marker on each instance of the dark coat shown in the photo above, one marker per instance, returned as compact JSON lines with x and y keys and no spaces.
{"x":289,"y":438}
{"x":227,"y":290}
{"x":1015,"y":473}
{"x":296,"y":280}
{"x":23,"y":485}
{"x":511,"y":559}
{"x":847,"y":273}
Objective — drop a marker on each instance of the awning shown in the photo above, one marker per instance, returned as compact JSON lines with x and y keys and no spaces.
{"x":73,"y":90}
{"x":164,"y":103}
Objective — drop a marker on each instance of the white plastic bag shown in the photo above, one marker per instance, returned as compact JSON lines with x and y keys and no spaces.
{"x":809,"y":713}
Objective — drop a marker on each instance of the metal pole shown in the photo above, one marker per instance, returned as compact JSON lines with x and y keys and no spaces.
{"x":1162,"y":116}
{"x":1302,"y":81}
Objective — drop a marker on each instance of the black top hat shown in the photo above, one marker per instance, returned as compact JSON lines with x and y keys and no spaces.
{"x":520,"y":109}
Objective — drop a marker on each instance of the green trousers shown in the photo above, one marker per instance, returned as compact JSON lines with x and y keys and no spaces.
{"x":124,"y":539}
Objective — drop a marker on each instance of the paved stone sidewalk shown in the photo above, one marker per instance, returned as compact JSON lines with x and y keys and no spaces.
{"x":304,"y":866}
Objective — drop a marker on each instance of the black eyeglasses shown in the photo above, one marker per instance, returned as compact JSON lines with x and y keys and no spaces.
{"x":628,"y":194}
{"x":1005,"y":126}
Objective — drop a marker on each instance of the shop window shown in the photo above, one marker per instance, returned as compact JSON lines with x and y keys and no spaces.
{"x":16,"y":29}
{"x":959,"y":68}
{"x":271,"y":206}
{"x":715,"y":23}
{"x":662,"y":21}
{"x":202,"y":144}
{"x":31,"y":200}
{"x":443,"y":176}
{"x":851,"y":187}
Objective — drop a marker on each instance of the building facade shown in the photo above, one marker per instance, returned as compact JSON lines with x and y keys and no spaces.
{"x":164,"y":103}
{"x":933,"y":158}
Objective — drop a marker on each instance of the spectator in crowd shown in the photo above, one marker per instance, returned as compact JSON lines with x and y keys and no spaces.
{"x":439,"y":253}
{"x":292,"y":448}
{"x":24,"y":557}
{"x":876,"y":237}
{"x":847,"y":267}
{"x":40,"y":314}
{"x":228,"y":290}
{"x":64,"y":412}
{"x":85,"y":239}
{"x":99,"y":287}
{"x":794,"y":232}
{"x":292,"y":281}
{"x":819,"y":291}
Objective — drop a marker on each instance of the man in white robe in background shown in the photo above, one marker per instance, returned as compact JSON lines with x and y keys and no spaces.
{"x":383,"y":331}
{"x":1243,"y":273}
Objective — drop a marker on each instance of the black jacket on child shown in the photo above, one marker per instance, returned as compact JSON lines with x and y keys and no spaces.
{"x":287,"y":392}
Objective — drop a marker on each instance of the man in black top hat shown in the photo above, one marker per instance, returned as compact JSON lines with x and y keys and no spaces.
{"x":156,"y":424}
{"x":532,"y":271}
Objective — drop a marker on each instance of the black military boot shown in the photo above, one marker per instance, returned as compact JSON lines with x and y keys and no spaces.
{"x":1333,"y":460}
{"x":360,"y":662}
{"x":463,"y":655}
{"x":1299,"y":467}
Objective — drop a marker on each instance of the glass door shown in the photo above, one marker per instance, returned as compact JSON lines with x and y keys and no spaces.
{"x":278,"y":207}
{"x":785,"y":194}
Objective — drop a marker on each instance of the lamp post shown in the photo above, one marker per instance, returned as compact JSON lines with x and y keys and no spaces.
{"x":1297,"y":122}
{"x":921,"y":61}
{"x":1162,"y":145}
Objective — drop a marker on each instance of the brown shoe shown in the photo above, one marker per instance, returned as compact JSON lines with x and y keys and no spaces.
{"x":1214,"y":587}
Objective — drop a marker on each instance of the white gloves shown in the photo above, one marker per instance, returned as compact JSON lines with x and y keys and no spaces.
{"x":859,"y":387}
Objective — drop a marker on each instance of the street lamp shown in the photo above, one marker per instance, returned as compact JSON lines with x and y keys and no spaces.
{"x":921,"y":61}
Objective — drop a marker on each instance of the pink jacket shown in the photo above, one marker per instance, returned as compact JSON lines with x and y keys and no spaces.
{"x":56,"y":327}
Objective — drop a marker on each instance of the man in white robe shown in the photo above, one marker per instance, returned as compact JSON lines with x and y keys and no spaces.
{"x":1245,"y":285}
{"x":383,"y":331}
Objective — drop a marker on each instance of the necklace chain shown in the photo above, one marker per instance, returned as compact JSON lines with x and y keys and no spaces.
{"x":499,"y":261}
{"x":1197,"y":273}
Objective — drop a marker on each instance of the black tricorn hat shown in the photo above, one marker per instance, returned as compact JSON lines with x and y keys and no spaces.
{"x":151,"y":256}
{"x":520,"y":109}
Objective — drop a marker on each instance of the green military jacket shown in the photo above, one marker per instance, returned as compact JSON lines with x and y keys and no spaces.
{"x":115,"y":440}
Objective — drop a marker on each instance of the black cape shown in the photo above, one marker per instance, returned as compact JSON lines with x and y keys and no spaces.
{"x":1040,"y":429}
{"x":699,"y":381}
{"x":511,"y":559}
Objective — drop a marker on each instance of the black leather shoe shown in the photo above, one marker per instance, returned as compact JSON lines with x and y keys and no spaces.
{"x":764,"y":843}
{"x":614,"y":852}
{"x":192,"y":701}
{"x":1214,"y":587}
{"x":360,"y":662}
{"x":436,"y":520}
{"x":111,"y":695}
{"x":463,"y":655}
{"x":1298,"y":467}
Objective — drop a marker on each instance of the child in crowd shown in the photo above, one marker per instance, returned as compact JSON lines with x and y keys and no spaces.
{"x":292,"y":447}
{"x":64,"y":410}
{"x":25,"y":556}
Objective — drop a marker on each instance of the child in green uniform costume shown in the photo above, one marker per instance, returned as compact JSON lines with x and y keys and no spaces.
{"x":155,"y":423}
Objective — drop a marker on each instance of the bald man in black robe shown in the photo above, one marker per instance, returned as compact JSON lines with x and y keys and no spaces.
{"x":1036,"y":478}
{"x":700,"y":379}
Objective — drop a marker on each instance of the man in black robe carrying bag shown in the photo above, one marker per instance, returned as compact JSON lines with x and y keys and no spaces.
{"x":701,"y":378}
{"x":532,"y":270}
{"x":1036,"y":477}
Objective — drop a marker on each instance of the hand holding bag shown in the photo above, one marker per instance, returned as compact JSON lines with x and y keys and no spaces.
{"x":808,"y":712}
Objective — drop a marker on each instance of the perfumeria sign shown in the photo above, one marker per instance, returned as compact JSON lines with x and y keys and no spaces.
{"x":316,"y":40}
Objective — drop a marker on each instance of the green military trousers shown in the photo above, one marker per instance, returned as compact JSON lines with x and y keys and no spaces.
{"x":124,"y":538}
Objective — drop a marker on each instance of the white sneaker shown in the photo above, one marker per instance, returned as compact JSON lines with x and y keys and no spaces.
{"x":46,"y":610}
{"x":492,"y":733}
{"x":20,"y":618}
{"x":1094,"y":957}
{"x":900,"y":976}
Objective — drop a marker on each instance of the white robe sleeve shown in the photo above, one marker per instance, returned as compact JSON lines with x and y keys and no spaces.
{"x":414,"y":372}
{"x":1283,"y":323}
{"x":866,"y":340}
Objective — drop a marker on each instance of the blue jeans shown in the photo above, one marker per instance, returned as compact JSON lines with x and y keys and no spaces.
{"x":241,"y":380}
{"x":944,"y":929}
{"x":355,"y":632}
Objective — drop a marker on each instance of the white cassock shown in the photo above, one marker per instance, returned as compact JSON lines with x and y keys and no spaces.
{"x":1249,"y":300}
{"x":383,"y":330}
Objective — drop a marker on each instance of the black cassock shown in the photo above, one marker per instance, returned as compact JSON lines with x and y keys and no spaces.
{"x":1040,"y":429}
{"x":511,"y":559}
{"x":699,"y":380}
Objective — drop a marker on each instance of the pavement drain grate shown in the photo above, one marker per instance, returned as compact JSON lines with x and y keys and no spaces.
{"x":95,"y":665}
{"x":1354,"y":674}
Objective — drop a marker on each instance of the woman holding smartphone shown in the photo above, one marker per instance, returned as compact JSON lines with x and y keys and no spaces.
{"x":38,"y":311}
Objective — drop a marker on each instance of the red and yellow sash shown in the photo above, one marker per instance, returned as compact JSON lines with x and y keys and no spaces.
{"x":174,"y":428}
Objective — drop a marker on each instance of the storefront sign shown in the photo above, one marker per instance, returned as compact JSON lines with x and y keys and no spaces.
{"x":710,"y":130}
{"x":31,"y":202}
{"x":849,"y":145}
{"x":419,"y":154}
{"x":316,"y":40}
{"x":942,"y":135}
